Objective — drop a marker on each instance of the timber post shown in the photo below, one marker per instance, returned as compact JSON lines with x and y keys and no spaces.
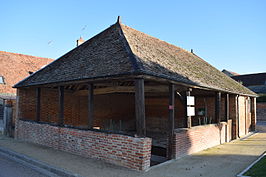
{"x":218,"y":107}
{"x":171,"y":121}
{"x":189,"y":123}
{"x":227,"y":107}
{"x":38,"y":104}
{"x":90,"y":106}
{"x":61,"y":105}
{"x":140,"y":107}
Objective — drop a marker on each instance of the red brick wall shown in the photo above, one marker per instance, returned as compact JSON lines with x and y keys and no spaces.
{"x":49,"y":102}
{"x":201,"y":102}
{"x":27,"y":103}
{"x":195,"y":139}
{"x":261,"y":111}
{"x":118,"y":149}
{"x":157,"y":113}
{"x":118,"y":107}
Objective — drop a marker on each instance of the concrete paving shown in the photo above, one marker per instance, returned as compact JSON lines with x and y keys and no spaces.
{"x":261,"y":126}
{"x":224,"y":160}
{"x":12,"y":168}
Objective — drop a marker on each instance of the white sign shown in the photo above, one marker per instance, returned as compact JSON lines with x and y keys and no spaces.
{"x":190,"y":111}
{"x":191,"y":100}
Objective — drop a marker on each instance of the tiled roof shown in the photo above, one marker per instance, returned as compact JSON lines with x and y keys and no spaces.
{"x":15,"y":67}
{"x":121,"y":50}
{"x":259,"y":89}
{"x":252,"y":79}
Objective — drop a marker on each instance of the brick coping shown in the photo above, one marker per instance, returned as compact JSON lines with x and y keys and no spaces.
{"x":122,"y":150}
{"x":80,"y":128}
{"x":199,"y":127}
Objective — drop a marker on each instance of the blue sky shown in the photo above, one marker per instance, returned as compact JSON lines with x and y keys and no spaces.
{"x":228,"y":34}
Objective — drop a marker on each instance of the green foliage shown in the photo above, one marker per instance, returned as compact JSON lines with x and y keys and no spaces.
{"x":261,"y":98}
{"x":258,"y":170}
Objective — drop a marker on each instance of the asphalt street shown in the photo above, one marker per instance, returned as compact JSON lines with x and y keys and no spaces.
{"x":11,"y":168}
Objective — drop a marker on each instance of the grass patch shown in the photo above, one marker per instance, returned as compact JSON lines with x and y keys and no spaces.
{"x":258,"y":170}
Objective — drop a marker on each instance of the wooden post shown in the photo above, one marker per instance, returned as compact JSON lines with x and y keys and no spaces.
{"x":253,"y":113}
{"x":90,"y":106}
{"x":38,"y":104}
{"x":237,"y":116}
{"x":61,"y":106}
{"x":7,"y":119}
{"x":227,"y":107}
{"x":140,"y":107}
{"x":171,"y":120}
{"x":18,"y":113}
{"x":188,"y":117}
{"x":218,"y":107}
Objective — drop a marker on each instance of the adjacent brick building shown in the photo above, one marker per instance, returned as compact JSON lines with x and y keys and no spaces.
{"x":123,"y":97}
{"x":257,"y":83}
{"x":15,"y":67}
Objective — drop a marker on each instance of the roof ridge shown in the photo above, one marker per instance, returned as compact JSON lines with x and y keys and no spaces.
{"x":25,"y":55}
{"x":168,"y":43}
{"x":132,"y":57}
{"x":250,"y":74}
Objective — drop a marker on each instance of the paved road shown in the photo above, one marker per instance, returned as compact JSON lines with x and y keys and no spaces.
{"x":11,"y":168}
{"x":225,"y":160}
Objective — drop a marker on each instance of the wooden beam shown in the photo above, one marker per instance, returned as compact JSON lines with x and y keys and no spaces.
{"x":61,"y":106}
{"x":140,"y":107}
{"x":227,"y":102}
{"x":189,"y":124}
{"x":121,"y":89}
{"x":90,"y":106}
{"x":171,"y":120}
{"x":38,"y":103}
{"x":218,"y":107}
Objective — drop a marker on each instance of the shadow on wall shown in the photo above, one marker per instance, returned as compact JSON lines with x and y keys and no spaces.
{"x":198,"y":138}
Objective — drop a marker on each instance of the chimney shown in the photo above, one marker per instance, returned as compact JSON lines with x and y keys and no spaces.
{"x":80,"y":41}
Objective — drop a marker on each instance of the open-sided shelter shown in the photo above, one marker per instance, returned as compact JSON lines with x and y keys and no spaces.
{"x":124,"y":96}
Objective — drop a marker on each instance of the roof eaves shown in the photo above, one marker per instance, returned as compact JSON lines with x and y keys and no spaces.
{"x":198,"y":85}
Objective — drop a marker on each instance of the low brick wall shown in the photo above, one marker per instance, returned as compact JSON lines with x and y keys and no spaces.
{"x":118,"y":149}
{"x":195,"y":139}
{"x":261,"y":111}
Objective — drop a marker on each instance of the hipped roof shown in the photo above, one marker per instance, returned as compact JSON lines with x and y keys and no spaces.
{"x":121,"y":50}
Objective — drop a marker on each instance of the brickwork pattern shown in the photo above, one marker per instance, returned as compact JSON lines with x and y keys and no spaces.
{"x":195,"y":139}
{"x":261,"y":111}
{"x":118,"y":149}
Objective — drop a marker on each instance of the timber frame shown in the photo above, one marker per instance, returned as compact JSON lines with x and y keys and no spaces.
{"x":131,"y":71}
{"x":141,"y":88}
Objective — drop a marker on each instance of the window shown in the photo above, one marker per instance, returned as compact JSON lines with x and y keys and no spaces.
{"x":2,"y":81}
